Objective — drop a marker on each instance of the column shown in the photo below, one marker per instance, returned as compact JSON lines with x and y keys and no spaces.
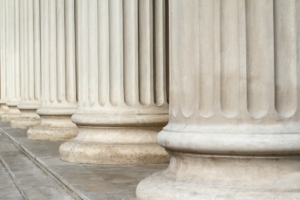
{"x":122,"y":83}
{"x":3,"y":64}
{"x":30,"y":65}
{"x":58,"y":72}
{"x":13,"y":60}
{"x":234,"y":129}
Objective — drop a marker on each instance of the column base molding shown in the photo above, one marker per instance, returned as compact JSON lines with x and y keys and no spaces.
{"x":24,"y":123}
{"x":28,"y":118}
{"x":53,"y":128}
{"x":114,"y":145}
{"x":12,"y":113}
{"x":195,"y":176}
{"x":3,"y":107}
{"x":51,"y":133}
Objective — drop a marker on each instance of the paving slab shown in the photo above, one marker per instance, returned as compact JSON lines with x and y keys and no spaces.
{"x":8,"y":189}
{"x":88,"y":181}
{"x":34,"y":183}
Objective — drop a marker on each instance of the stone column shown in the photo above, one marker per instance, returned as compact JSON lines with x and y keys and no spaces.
{"x":30,"y":65}
{"x":58,"y":72}
{"x":122,"y":83}
{"x":234,"y":129}
{"x":13,"y":62}
{"x":3,"y":64}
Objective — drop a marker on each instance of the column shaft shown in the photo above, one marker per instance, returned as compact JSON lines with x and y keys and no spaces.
{"x":234,"y":111}
{"x":122,"y":83}
{"x":58,"y":71}
{"x":13,"y":60}
{"x":30,"y":65}
{"x":3,"y":53}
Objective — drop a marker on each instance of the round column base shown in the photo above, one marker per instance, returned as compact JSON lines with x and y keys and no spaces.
{"x":51,"y":133}
{"x":3,"y":111}
{"x":3,"y":107}
{"x":192,"y":176}
{"x":24,"y":123}
{"x":28,"y":118}
{"x":53,"y":128}
{"x":13,"y":113}
{"x":9,"y":116}
{"x":114,"y":145}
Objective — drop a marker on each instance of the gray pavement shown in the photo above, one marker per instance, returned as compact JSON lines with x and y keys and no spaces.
{"x":84,"y":181}
{"x":8,"y":190}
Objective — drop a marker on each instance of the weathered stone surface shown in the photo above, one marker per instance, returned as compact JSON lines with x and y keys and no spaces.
{"x":234,"y":116}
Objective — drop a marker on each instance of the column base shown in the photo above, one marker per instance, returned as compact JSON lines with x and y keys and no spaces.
{"x":24,"y":123}
{"x":3,"y":107}
{"x":53,"y":128}
{"x":192,"y":176}
{"x":9,"y":116}
{"x":12,"y":113}
{"x":28,"y":118}
{"x":51,"y":133}
{"x":3,"y":111}
{"x":114,"y":145}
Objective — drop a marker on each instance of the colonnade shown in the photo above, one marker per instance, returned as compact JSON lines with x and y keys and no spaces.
{"x":96,"y":74}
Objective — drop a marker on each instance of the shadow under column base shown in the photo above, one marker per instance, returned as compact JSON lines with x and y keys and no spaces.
{"x":24,"y":123}
{"x":114,"y":145}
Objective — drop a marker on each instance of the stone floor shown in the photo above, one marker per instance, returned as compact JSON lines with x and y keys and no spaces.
{"x":33,"y":170}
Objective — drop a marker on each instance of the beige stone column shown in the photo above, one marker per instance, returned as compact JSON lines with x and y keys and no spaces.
{"x":30,"y":65}
{"x":58,"y":72}
{"x":3,"y":64}
{"x":122,"y":83}
{"x":13,"y":62}
{"x":234,"y":129}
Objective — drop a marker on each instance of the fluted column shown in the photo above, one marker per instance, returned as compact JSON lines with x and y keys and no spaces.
{"x":30,"y":65}
{"x":13,"y":59}
{"x":234,"y":129}
{"x":3,"y":64}
{"x":58,"y":72}
{"x":122,"y":83}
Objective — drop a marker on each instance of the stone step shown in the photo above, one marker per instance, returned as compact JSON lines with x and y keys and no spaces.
{"x":8,"y":189}
{"x":82,"y":181}
{"x":30,"y":180}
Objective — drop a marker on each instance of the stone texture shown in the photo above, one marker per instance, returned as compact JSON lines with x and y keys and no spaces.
{"x":234,"y":115}
{"x":29,"y":65}
{"x":58,"y":72}
{"x":122,"y":84}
